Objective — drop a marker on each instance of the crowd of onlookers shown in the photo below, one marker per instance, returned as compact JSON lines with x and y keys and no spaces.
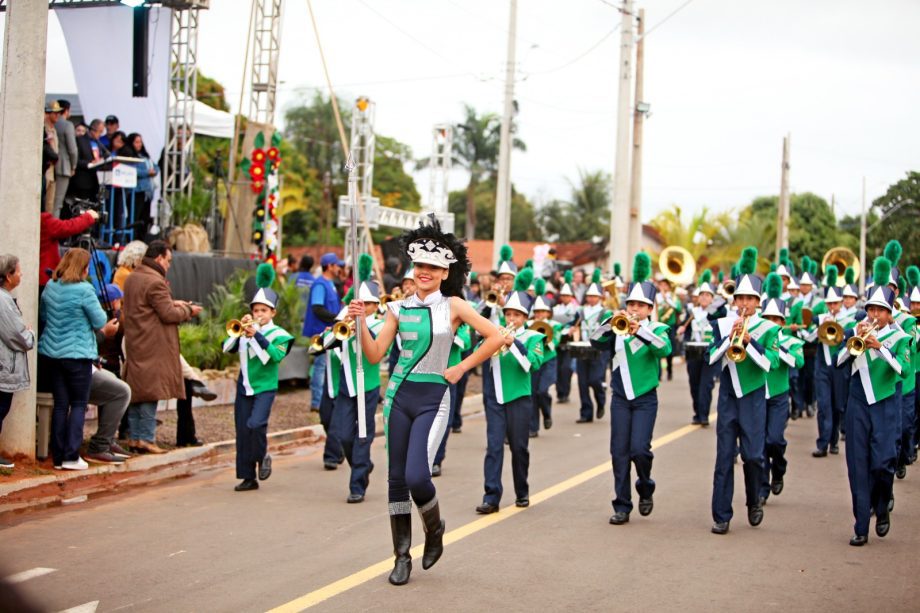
{"x":75,"y":156}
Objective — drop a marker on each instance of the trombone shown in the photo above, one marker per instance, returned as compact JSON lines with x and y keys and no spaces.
{"x":736,"y":351}
{"x":857,"y":343}
{"x":545,"y":328}
{"x":830,"y":332}
{"x":621,"y":323}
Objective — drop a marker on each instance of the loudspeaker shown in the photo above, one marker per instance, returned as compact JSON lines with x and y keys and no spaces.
{"x":139,"y":63}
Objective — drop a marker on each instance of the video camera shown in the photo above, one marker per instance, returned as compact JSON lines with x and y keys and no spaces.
{"x":78,"y":206}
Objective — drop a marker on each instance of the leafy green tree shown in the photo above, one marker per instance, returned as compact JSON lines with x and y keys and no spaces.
{"x":705,"y":234}
{"x":523,"y":221}
{"x":392,"y":184}
{"x":585,"y":215}
{"x":812,"y":225}
{"x":899,"y":218}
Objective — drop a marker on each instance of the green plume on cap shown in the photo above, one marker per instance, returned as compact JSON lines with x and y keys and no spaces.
{"x":474,"y":277}
{"x":528,"y":264}
{"x":773,"y":285}
{"x":783,"y":255}
{"x":881,"y":271}
{"x":505,"y":254}
{"x":893,"y":252}
{"x":349,"y":296}
{"x":806,"y":263}
{"x":849,"y":275}
{"x":706,"y":277}
{"x":734,"y":272}
{"x":789,"y":266}
{"x":365,"y":265}
{"x":642,"y":267}
{"x":832,"y":276}
{"x":721,"y":277}
{"x":747,"y":265}
{"x":773,"y":267}
{"x":913,"y":276}
{"x":596,"y":276}
{"x":813,"y":267}
{"x":568,"y":276}
{"x":539,"y":286}
{"x":902,"y":285}
{"x":265,"y":275}
{"x":523,"y":280}
{"x":617,"y":269}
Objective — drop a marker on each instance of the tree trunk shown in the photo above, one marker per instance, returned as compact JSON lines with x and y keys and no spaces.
{"x":471,"y":210}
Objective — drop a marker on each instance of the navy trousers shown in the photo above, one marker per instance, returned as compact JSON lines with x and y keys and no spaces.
{"x":591,"y":379}
{"x":631,"y":425}
{"x":415,"y":425}
{"x":345,"y":430}
{"x":506,"y":421}
{"x":908,"y":417}
{"x":563,"y":375}
{"x":454,"y":409}
{"x":871,"y":453}
{"x":774,"y":457}
{"x":332,"y":450}
{"x":796,"y":398}
{"x":742,"y":418}
{"x":541,"y":381}
{"x":70,"y":384}
{"x":251,"y":417}
{"x":831,"y":390}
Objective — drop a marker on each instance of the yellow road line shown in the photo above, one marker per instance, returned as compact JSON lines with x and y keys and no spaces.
{"x":363,"y":576}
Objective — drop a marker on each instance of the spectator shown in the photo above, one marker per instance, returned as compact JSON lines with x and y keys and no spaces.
{"x":129,"y":259}
{"x":151,"y":324}
{"x":81,"y":130}
{"x":304,"y":278}
{"x":292,"y":264}
{"x":17,"y":337}
{"x":52,"y":231}
{"x":67,"y":156}
{"x":118,"y":140}
{"x":111,"y":127}
{"x":391,"y":275}
{"x":71,"y":312}
{"x":578,"y":285}
{"x":322,"y":307}
{"x":89,"y":151}
{"x":143,"y":193}
{"x":52,"y":114}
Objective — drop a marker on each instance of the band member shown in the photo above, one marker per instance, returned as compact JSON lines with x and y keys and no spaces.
{"x":565,"y":312}
{"x":773,"y":310}
{"x":702,"y":374}
{"x":417,"y":402}
{"x":261,"y":345}
{"x":912,"y":300}
{"x":873,"y":409}
{"x":669,"y":308}
{"x":637,"y":346}
{"x":746,"y":345}
{"x":591,"y":370}
{"x":803,"y":308}
{"x":332,"y":449}
{"x":544,"y":377}
{"x":506,"y":391}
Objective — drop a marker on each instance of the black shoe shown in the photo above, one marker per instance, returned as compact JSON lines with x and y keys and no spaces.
{"x":533,"y":434}
{"x":547,"y":423}
{"x":265,"y":468}
{"x":456,"y":430}
{"x":522,"y":503}
{"x":755,"y":514}
{"x":434,"y":534}
{"x":695,"y":422}
{"x":401,"y":530}
{"x":247,"y":484}
{"x":330,"y":465}
{"x":901,"y":472}
{"x":859,"y":540}
{"x":882,"y":525}
{"x":794,"y":415}
{"x":562,"y":400}
{"x":834,"y":449}
{"x":619,"y":518}
{"x":486,"y":508}
{"x":819,"y":453}
{"x":705,"y":424}
{"x":583,"y":420}
{"x":891,"y":504}
{"x":645,"y":506}
{"x":720,"y":527}
{"x":354,"y":498}
{"x":201,"y":390}
{"x":340,"y":460}
{"x":777,"y":487}
{"x":195,"y":443}
{"x":435,"y":470}
{"x":600,"y":412}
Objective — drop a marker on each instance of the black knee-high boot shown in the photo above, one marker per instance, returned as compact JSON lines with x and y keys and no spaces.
{"x":401,"y":528}
{"x":434,"y":533}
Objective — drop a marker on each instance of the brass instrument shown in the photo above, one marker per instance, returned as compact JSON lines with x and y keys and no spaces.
{"x":545,"y":328}
{"x":830,"y":332}
{"x":505,"y":332}
{"x":857,"y":343}
{"x":236,"y":327}
{"x":342,"y":330}
{"x":621,"y":323}
{"x":915,"y":313}
{"x":728,"y":288}
{"x":841,"y":258}
{"x":736,"y":350}
{"x":494,"y":298}
{"x":677,"y":265}
{"x":808,"y":316}
{"x":612,"y":301}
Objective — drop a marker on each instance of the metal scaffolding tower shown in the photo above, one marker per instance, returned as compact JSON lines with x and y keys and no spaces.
{"x":441,"y":149}
{"x":266,"y":50}
{"x":362,"y":152}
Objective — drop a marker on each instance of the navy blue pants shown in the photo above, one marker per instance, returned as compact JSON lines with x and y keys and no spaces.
{"x":332,"y":450}
{"x":702,"y":381}
{"x":251,"y":416}
{"x":415,"y":424}
{"x":905,"y":449}
{"x":511,"y":421}
{"x":831,"y":390}
{"x":631,"y":425}
{"x":345,"y":430}
{"x":871,"y":453}
{"x":540,"y":382}
{"x":745,"y":419}
{"x":70,"y":383}
{"x":774,"y":457}
{"x":454,"y":409}
{"x":563,"y":375}
{"x":591,"y":379}
{"x":795,"y":392}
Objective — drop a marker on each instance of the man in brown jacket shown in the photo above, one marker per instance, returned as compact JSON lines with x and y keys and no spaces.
{"x":151,"y":326}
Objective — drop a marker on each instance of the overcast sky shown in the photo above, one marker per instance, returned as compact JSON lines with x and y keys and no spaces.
{"x":726,"y":81}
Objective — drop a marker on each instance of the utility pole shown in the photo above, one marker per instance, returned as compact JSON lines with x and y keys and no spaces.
{"x":635,"y":199}
{"x":502,"y":230}
{"x":782,"y":224}
{"x":618,"y":245}
{"x":862,"y":242}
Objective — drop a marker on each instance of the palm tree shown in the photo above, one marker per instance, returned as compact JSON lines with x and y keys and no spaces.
{"x":705,"y":235}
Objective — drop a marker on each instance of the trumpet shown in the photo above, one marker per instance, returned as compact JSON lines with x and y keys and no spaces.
{"x":857,"y":344}
{"x":494,"y":298}
{"x":736,"y":350}
{"x":316,"y":342}
{"x":236,"y":327}
{"x":342,"y":330}
{"x":728,"y":288}
{"x":830,"y":332}
{"x":621,"y":323}
{"x":545,"y":328}
{"x":505,"y":332}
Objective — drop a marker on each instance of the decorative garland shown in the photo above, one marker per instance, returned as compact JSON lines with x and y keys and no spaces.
{"x":262,"y":166}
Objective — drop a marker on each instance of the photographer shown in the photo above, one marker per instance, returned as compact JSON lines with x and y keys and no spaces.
{"x":54,"y":230}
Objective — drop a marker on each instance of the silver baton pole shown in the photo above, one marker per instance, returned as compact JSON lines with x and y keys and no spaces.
{"x":350,"y":166}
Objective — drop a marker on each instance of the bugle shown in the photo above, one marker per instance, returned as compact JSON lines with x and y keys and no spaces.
{"x":830,"y":332}
{"x":316,"y":342}
{"x":236,"y":327}
{"x":621,"y":323}
{"x":342,"y":330}
{"x":857,"y":346}
{"x":736,"y":350}
{"x":494,"y":298}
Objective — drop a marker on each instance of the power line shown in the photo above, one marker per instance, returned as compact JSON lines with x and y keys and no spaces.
{"x":580,"y":56}
{"x":671,"y":14}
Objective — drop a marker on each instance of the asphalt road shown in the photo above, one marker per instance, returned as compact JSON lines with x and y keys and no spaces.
{"x":196,"y":545}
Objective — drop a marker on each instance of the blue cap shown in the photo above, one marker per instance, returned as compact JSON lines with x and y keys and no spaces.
{"x":113,"y":291}
{"x":330,"y":258}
